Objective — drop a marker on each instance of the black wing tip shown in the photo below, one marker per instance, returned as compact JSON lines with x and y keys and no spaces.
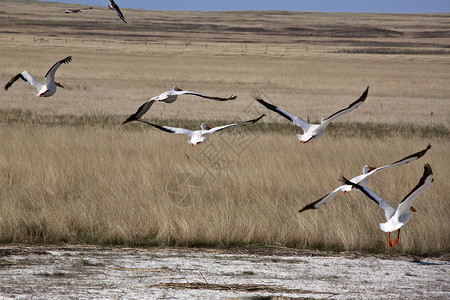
{"x":232,"y":97}
{"x":266,"y":104}
{"x":427,"y":170}
{"x":157,"y":126}
{"x":8,"y":85}
{"x":256,"y":95}
{"x":14,"y":79}
{"x":66,"y":60}
{"x":253,"y":120}
{"x":258,"y":98}
{"x":258,"y":118}
{"x":422,"y":153}
{"x":364,"y":95}
{"x":416,"y":155}
{"x":151,"y":124}
{"x":310,"y":206}
{"x":307,"y":207}
{"x":313,"y":204}
{"x":130,"y":119}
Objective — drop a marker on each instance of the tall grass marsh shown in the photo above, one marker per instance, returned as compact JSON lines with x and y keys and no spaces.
{"x":70,"y":173}
{"x":103,"y":185}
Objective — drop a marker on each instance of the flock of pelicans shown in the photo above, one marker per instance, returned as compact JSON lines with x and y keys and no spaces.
{"x":396,"y":218}
{"x":112,"y":5}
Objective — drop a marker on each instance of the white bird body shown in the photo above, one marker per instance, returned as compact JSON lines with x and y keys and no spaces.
{"x":312,"y":131}
{"x":202,"y":135}
{"x":169,"y":97}
{"x":49,"y":87}
{"x":363,"y":179}
{"x":397,"y":218}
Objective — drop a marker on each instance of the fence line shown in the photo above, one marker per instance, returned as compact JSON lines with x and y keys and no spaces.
{"x":213,"y":46}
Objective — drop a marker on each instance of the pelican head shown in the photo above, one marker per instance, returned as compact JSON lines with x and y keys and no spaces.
{"x":175,"y":88}
{"x":368,"y":169}
{"x":205,"y":127}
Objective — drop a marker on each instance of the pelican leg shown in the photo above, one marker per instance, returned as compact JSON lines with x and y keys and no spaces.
{"x":389,"y":240}
{"x":398,"y":237}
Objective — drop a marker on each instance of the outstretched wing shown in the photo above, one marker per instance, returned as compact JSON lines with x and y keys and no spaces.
{"x":168,"y":129}
{"x":140,"y":112}
{"x":215,"y":129}
{"x":117,"y":9}
{"x":50,"y":76}
{"x":351,"y":107}
{"x":26,"y":76}
{"x":206,"y":97}
{"x":318,"y":203}
{"x":388,"y":209}
{"x":403,"y":161}
{"x":425,"y":181}
{"x":284,"y":113}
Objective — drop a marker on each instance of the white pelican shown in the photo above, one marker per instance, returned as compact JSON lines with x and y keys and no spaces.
{"x":114,"y":6}
{"x":312,"y":131}
{"x":397,"y":218}
{"x":169,"y":97}
{"x":363,"y":179}
{"x":49,"y":87}
{"x":202,"y":135}
{"x":72,"y":10}
{"x":75,"y":10}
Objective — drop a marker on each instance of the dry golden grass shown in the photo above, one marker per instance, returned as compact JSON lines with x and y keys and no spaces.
{"x":71,"y":173}
{"x":94,"y":185}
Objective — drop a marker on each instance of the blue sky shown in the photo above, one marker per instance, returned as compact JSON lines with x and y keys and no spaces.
{"x":390,"y":6}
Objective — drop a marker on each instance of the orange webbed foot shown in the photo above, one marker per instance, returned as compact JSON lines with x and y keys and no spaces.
{"x":389,"y":240}
{"x":398,"y":237}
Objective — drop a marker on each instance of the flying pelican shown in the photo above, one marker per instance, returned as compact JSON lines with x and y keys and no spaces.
{"x":312,"y":131}
{"x":202,"y":135}
{"x":49,"y":87}
{"x":363,"y":179}
{"x":169,"y":97}
{"x":397,"y":218}
{"x":114,"y":6}
{"x":75,"y":10}
{"x":72,"y":10}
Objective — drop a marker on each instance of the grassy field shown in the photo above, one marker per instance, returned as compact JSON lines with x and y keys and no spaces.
{"x":70,"y":173}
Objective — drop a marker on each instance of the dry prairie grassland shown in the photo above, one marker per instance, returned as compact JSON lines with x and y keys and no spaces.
{"x":70,"y":173}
